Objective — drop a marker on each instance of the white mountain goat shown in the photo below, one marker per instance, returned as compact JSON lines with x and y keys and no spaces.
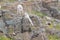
{"x":21,"y":12}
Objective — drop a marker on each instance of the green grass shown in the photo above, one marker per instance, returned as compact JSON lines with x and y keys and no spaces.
{"x":53,"y":37}
{"x":58,"y":26}
{"x":4,"y":38}
{"x":11,"y":0}
{"x":40,"y":14}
